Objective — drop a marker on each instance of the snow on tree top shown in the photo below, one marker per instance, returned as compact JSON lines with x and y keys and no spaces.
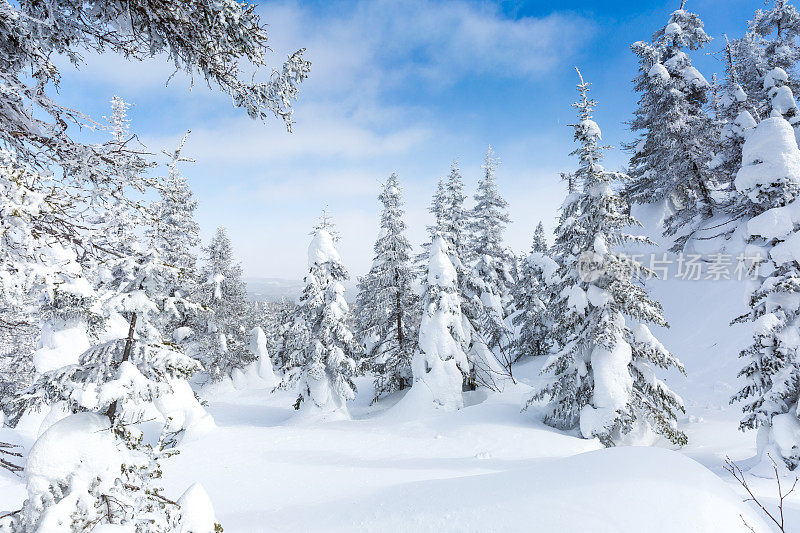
{"x":546,"y":264}
{"x":745,"y":120}
{"x":441,"y":271}
{"x":321,"y":250}
{"x":782,"y":100}
{"x":673,"y":28}
{"x":590,"y":128}
{"x":776,"y":74}
{"x":693,"y":77}
{"x":739,"y":94}
{"x":658,"y":71}
{"x":769,"y":155}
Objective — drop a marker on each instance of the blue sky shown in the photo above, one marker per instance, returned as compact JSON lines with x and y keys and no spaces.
{"x":404,"y":87}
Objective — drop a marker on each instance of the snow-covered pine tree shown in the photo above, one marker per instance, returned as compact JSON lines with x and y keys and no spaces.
{"x":455,"y":220}
{"x":735,"y":120}
{"x":539,"y":240}
{"x":452,"y":225}
{"x":766,"y":59}
{"x":451,"y":221}
{"x":670,"y":159}
{"x":440,"y":362}
{"x":778,"y":30}
{"x":111,"y":384}
{"x":748,"y":59}
{"x":276,"y":318}
{"x":532,"y":295}
{"x":602,"y":378}
{"x":387,"y":306}
{"x":223,"y":335}
{"x":320,"y":347}
{"x":491,"y":265}
{"x":770,"y":178}
{"x":175,"y":233}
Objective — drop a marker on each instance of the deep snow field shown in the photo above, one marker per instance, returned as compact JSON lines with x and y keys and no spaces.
{"x":487,"y":467}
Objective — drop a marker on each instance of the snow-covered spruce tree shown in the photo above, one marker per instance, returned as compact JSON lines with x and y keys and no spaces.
{"x":175,"y":233}
{"x":223,"y":333}
{"x":670,"y":159}
{"x":602,"y":378}
{"x":770,"y":178}
{"x":440,"y":362}
{"x":735,"y":121}
{"x":387,"y":306}
{"x":322,"y":351}
{"x":491,"y":265}
{"x":766,"y":59}
{"x":111,"y":385}
{"x":275,"y":318}
{"x":532,"y":295}
{"x":778,"y":30}
{"x":452,"y":225}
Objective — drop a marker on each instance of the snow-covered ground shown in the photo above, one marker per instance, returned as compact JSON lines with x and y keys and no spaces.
{"x":487,"y":467}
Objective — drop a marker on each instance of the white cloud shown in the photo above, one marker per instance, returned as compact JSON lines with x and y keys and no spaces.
{"x":384,"y":43}
{"x":369,"y":108}
{"x":321,"y":131}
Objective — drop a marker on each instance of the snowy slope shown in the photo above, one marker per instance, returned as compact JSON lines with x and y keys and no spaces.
{"x":487,"y":467}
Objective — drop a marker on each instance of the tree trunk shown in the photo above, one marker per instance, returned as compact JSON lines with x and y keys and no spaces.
{"x":126,"y":355}
{"x":399,"y":310}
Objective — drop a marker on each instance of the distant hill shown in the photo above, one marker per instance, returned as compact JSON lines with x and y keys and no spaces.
{"x":273,"y":289}
{"x":276,"y":289}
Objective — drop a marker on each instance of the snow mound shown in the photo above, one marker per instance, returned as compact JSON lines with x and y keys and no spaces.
{"x":61,"y":344}
{"x":615,"y":490}
{"x":78,"y":444}
{"x":197,"y":512}
{"x":183,"y":413}
{"x":263,"y":365}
